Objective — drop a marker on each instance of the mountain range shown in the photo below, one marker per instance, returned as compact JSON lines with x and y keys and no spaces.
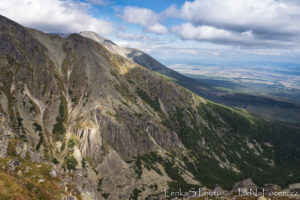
{"x":271,"y":108}
{"x":102,"y":121}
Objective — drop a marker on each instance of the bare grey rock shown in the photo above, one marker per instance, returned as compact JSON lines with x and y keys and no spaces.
{"x":272,"y":187}
{"x":5,"y":134}
{"x":13,"y":164}
{"x":19,"y":148}
{"x":69,"y":197}
{"x":5,"y":130}
{"x":53,"y":173}
{"x":3,"y":146}
{"x":295,"y":187}
{"x":132,"y":54}
{"x":219,"y":190}
{"x":36,"y":156}
{"x":244,"y":185}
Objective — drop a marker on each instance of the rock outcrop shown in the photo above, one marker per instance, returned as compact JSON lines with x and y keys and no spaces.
{"x":295,"y":187}
{"x":271,"y":187}
{"x":244,"y":186}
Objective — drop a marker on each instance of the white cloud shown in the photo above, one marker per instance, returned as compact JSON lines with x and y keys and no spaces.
{"x":135,"y":37}
{"x":267,"y":21}
{"x":171,"y":11}
{"x":99,"y":2}
{"x":142,"y":16}
{"x":255,"y":14}
{"x":189,"y":31}
{"x":157,"y":28}
{"x":145,"y":17}
{"x":54,"y":15}
{"x":146,"y":46}
{"x":189,"y":51}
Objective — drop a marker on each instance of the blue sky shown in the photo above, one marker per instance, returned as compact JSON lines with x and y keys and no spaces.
{"x":177,"y":31}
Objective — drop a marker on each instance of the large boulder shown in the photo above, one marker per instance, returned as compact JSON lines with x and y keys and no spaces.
{"x":244,"y":186}
{"x":295,"y":187}
{"x":271,"y":187}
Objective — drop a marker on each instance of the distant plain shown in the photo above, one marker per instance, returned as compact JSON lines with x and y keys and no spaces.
{"x":264,"y":80}
{"x":269,"y":90}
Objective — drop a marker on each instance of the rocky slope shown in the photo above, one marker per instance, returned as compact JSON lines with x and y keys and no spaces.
{"x":273,"y":108}
{"x":135,"y":55}
{"x":122,"y":131}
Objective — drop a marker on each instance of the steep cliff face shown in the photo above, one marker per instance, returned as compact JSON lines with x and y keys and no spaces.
{"x":127,"y":131}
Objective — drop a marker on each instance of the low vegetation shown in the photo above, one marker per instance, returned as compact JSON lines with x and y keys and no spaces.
{"x":30,"y":181}
{"x":153,"y":103}
{"x":60,"y":127}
